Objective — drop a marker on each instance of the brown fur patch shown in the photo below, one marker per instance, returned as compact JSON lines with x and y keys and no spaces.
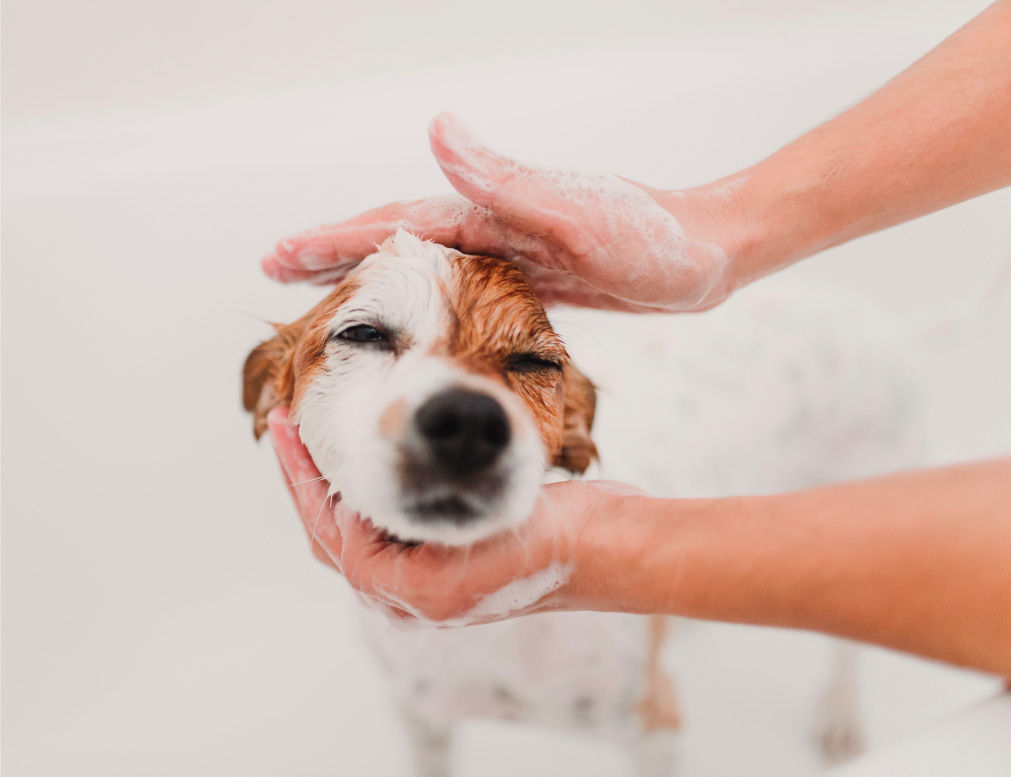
{"x":495,"y":316}
{"x":577,"y":451}
{"x":278,"y":370}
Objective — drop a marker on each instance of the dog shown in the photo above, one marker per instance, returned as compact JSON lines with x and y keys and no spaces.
{"x":433,"y":388}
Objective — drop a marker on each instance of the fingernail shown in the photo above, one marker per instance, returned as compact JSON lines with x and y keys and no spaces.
{"x":273,"y":268}
{"x":285,"y":254}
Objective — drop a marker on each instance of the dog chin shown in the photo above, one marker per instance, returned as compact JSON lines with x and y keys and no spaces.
{"x":450,"y":518}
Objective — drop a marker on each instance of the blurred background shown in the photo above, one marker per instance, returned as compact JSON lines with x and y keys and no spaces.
{"x":162,"y":614}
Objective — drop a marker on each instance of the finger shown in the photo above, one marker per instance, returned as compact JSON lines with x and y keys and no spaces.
{"x":309,"y":490}
{"x":337,"y":248}
{"x":363,"y":541}
{"x":328,"y":555}
{"x":278,"y":272}
{"x":295,"y":459}
{"x":475,"y":171}
{"x":374,"y":562}
{"x":533,"y":200}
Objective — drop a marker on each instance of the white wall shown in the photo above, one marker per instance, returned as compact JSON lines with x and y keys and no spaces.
{"x":161,"y":613}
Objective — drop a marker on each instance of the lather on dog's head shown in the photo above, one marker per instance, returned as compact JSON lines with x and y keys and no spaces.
{"x":431,"y":390}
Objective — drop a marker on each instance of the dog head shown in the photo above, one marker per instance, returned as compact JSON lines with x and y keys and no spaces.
{"x":431,"y":390}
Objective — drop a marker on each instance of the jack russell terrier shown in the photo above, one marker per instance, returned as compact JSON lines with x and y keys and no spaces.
{"x":431,"y":387}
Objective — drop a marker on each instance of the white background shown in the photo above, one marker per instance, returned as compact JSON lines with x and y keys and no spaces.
{"x":161,"y":612}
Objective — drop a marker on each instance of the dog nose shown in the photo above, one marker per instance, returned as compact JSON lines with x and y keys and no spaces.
{"x":465,"y":430}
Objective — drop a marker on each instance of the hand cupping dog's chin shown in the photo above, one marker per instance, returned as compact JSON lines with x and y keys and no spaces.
{"x":430,"y":388}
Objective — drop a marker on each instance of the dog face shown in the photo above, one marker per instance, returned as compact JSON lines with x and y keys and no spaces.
{"x":431,"y":390}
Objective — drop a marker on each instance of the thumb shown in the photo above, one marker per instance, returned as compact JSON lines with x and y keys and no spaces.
{"x":513,"y":191}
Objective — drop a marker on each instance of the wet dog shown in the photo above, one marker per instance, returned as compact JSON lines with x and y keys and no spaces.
{"x":432,"y":389}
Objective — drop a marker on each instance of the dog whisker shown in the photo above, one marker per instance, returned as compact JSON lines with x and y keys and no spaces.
{"x":315,"y":526}
{"x":311,"y":480}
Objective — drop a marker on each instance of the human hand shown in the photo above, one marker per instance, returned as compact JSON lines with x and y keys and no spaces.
{"x":592,"y":240}
{"x":547,"y":564}
{"x":782,"y":560}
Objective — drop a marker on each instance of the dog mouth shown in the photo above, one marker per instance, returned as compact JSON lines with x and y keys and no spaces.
{"x":449,"y":508}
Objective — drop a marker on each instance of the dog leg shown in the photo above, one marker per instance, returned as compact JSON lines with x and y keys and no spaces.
{"x":837,"y":730}
{"x":654,"y":749}
{"x":429,"y":743}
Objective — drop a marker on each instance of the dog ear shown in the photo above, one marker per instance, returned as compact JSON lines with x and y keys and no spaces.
{"x":268,"y":375}
{"x":578,"y":450}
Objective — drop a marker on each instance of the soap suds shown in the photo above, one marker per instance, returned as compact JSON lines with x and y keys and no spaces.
{"x":604,"y":220}
{"x":519,"y":595}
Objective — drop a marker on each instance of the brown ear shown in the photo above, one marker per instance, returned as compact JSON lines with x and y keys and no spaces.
{"x":578,"y":450}
{"x":268,"y":374}
{"x":268,"y":377}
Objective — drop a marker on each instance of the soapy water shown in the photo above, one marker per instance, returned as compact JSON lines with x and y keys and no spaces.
{"x":518,"y":597}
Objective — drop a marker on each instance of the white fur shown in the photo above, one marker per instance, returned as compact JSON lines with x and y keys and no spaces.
{"x":776,"y":390}
{"x":402,"y":286}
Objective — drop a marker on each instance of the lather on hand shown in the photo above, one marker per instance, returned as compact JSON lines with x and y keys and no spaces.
{"x":593,"y":240}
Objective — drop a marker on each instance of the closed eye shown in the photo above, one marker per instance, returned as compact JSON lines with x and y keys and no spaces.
{"x":363,"y":334}
{"x":531,"y":362}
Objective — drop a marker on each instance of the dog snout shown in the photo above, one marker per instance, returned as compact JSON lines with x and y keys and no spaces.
{"x":464,"y":430}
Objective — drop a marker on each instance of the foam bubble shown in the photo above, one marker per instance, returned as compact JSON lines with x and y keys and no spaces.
{"x":519,"y":595}
{"x":627,"y":243}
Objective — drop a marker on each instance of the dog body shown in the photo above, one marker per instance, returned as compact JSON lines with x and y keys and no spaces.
{"x":772,"y":391}
{"x":785,"y":386}
{"x":578,"y":670}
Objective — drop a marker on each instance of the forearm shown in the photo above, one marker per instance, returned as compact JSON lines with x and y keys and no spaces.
{"x":935,"y":135}
{"x":918,"y":562}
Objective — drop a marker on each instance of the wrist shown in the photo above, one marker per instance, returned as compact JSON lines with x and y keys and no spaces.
{"x":731,"y":217}
{"x":693,"y":556}
{"x":764,"y":218}
{"x":789,"y":210}
{"x":642,"y":554}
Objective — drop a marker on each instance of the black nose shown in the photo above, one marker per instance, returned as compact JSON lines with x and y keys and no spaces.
{"x":465,"y":431}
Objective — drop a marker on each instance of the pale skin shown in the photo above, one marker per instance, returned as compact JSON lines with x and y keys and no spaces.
{"x":919,"y":561}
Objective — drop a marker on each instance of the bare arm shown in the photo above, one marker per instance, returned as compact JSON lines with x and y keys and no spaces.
{"x":937,"y":134}
{"x":918,"y":561}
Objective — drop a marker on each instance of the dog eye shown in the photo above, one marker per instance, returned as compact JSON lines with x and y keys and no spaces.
{"x":530,"y":362}
{"x":363,"y":333}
